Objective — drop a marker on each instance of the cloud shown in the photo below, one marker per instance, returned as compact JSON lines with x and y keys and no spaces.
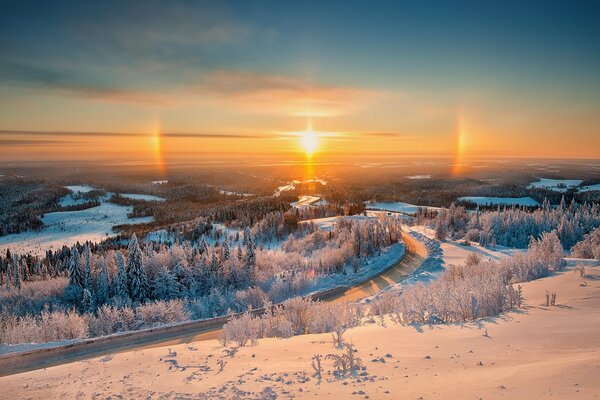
{"x":59,"y":134}
{"x":36,"y":142}
{"x":282,"y":94}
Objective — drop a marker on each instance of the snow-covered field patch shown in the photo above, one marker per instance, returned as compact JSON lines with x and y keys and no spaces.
{"x":557,"y":185}
{"x":68,"y":227}
{"x":590,"y":188}
{"x":490,"y":201}
{"x":397,"y":206}
{"x":78,"y":189}
{"x":146,"y":197}
{"x":418,"y":177}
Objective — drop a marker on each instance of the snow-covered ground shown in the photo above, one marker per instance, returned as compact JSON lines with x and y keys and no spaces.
{"x":489,"y":201}
{"x":397,"y":206}
{"x":589,"y":188}
{"x":79,"y":189}
{"x":146,"y":197}
{"x":69,"y":227}
{"x":557,"y":185}
{"x":537,"y":352}
{"x":418,"y":177}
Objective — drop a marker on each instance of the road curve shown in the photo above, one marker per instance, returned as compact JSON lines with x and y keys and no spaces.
{"x":205,"y":330}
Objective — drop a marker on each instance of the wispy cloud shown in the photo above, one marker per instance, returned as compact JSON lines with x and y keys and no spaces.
{"x":282,"y":94}
{"x":35,"y":135}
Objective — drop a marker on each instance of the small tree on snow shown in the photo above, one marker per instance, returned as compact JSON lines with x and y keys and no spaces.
{"x":137,"y":279}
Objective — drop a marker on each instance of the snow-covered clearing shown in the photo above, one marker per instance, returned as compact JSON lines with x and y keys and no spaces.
{"x":537,"y":352}
{"x":68,"y":227}
{"x":397,"y":206}
{"x":589,"y":188}
{"x":79,"y":189}
{"x":146,"y":197}
{"x":418,"y":177}
{"x":557,"y":185}
{"x":490,"y":201}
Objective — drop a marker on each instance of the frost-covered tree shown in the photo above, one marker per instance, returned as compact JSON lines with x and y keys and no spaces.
{"x":137,"y":279}
{"x":441,"y":226}
{"x":87,"y":301}
{"x":165,"y":285}
{"x":75,"y":268}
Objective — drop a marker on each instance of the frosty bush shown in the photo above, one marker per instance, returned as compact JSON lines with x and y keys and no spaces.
{"x":46,"y":327}
{"x":242,"y":330}
{"x":160,"y":312}
{"x":296,"y":316}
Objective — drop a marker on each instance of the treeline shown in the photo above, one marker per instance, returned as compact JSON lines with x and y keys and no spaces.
{"x":515,"y":226}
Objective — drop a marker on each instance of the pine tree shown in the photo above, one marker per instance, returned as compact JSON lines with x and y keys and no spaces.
{"x":138,"y":281}
{"x":120,"y":287}
{"x":75,"y":268}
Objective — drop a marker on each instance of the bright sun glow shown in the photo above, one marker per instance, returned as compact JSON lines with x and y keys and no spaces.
{"x":309,"y":142}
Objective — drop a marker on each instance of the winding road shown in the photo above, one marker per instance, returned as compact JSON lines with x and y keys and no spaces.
{"x":14,"y":363}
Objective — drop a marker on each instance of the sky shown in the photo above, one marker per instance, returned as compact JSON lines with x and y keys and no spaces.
{"x":191,"y":79}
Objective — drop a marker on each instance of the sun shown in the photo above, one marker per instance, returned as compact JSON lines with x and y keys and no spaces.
{"x":309,"y":142}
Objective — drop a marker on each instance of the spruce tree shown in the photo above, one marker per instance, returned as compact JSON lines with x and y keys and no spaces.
{"x":138,"y":281}
{"x":75,"y":268}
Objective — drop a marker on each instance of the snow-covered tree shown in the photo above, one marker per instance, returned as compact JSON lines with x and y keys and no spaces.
{"x":165,"y":285}
{"x":75,"y":268}
{"x":137,"y":279}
